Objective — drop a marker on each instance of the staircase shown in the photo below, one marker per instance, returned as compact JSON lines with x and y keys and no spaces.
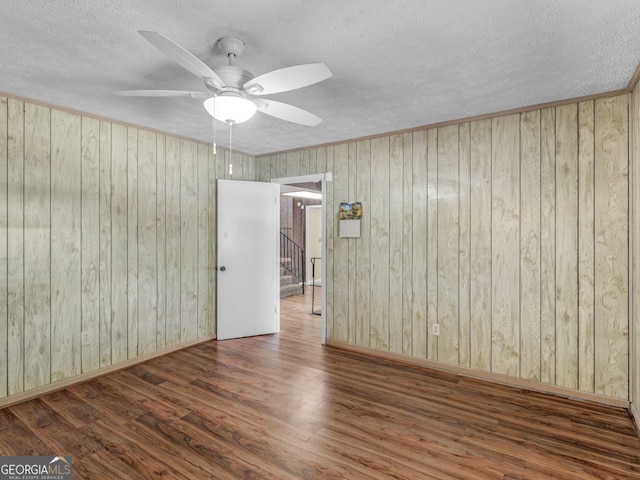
{"x":289,"y":285}
{"x":291,"y":267}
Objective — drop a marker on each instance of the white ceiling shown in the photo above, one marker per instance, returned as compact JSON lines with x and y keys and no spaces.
{"x":397,"y":64}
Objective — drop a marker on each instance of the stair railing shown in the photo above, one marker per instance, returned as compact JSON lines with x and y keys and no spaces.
{"x":292,"y":258}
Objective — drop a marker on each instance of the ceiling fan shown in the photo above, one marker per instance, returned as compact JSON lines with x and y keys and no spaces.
{"x":234,"y":94}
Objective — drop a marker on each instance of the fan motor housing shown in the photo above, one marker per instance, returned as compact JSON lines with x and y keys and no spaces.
{"x":234,"y":78}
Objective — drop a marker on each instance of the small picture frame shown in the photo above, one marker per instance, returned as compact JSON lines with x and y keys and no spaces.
{"x":350,"y":211}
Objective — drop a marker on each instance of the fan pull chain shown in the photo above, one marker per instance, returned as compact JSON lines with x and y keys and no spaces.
{"x":213,"y":120}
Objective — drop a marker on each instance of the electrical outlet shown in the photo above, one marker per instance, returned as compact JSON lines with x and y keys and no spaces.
{"x":436,"y":329}
{"x":86,"y":338}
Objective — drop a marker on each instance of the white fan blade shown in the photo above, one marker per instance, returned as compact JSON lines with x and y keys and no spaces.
{"x":182,"y":57}
{"x":287,"y":112}
{"x":160,"y":93}
{"x":289,"y":78}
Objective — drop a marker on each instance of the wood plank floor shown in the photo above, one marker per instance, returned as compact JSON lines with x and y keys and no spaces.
{"x":284,"y":407}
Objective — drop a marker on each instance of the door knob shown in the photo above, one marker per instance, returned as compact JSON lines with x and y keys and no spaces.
{"x":223,"y":268}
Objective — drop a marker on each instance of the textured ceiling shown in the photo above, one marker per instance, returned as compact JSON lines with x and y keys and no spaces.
{"x":397,"y":64}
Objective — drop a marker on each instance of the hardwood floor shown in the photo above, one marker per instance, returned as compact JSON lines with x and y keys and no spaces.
{"x":284,"y":407}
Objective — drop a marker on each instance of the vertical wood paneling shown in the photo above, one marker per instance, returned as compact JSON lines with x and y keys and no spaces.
{"x":330,"y":242}
{"x":407,"y":244}
{"x":281,"y":165}
{"x":430,"y":226}
{"x":219,"y":160}
{"x":15,"y":246}
{"x":530,"y":245}
{"x":4,"y":281}
{"x":315,"y":162}
{"x":223,"y":159}
{"x":85,"y":253}
{"x":246,"y":167}
{"x":263,"y":165}
{"x":505,"y":241}
{"x":424,"y":237}
{"x":567,"y":245}
{"x":90,"y":237}
{"x":352,"y":256}
{"x":132,"y":242}
{"x":340,"y":245}
{"x":539,"y":185}
{"x":250,"y":169}
{"x":241,"y":160}
{"x":396,"y":226}
{"x":66,"y":285}
{"x":119,"y":241}
{"x":147,"y":243}
{"x":586,"y":245}
{"x":635,"y":221}
{"x":213,"y":235}
{"x":220,"y":167}
{"x":37,"y":246}
{"x":235,"y":159}
{"x":286,"y":213}
{"x":261,"y":172}
{"x":173,"y":235}
{"x":480,"y":232}
{"x":547,"y":246}
{"x":363,"y":252}
{"x":611,"y":247}
{"x":304,"y":162}
{"x":105,"y":246}
{"x":161,"y":244}
{"x":203,"y":239}
{"x":380,"y":261}
{"x":131,"y":225}
{"x":189,"y":241}
{"x":464,"y":245}
{"x":293,"y":164}
{"x":321,"y":160}
{"x":448,"y":256}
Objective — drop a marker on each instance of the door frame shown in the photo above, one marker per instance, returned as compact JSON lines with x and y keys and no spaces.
{"x":323,"y":178}
{"x":307,"y":241}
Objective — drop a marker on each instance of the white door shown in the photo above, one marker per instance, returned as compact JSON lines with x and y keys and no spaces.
{"x":248,"y":241}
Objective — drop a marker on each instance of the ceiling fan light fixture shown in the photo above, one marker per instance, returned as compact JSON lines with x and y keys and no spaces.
{"x":230,"y":108}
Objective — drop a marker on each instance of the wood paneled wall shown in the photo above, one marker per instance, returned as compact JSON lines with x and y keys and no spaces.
{"x":635,"y":235}
{"x":107,"y":242}
{"x":510,"y":233}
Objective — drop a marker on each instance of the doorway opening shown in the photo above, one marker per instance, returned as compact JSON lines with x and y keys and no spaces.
{"x":303,"y":246}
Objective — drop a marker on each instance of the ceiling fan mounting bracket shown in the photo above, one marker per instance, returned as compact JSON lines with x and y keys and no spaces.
{"x":230,"y":46}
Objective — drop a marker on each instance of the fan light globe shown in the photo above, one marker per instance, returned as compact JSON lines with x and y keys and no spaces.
{"x":230,"y":109}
